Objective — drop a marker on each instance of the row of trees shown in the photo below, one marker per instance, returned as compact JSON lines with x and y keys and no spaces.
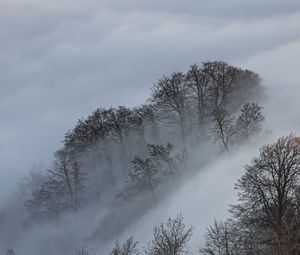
{"x":188,"y":102}
{"x":64,"y":186}
{"x":116,"y":144}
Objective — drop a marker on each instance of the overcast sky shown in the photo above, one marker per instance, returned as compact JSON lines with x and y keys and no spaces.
{"x":61,"y":59}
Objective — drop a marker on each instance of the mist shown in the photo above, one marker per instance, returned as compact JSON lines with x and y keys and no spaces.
{"x":61,"y":61}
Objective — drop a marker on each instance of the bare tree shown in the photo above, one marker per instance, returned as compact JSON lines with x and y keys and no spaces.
{"x":170,"y":238}
{"x":246,"y":87}
{"x":33,"y":182}
{"x":148,"y":113}
{"x":170,"y":96}
{"x":127,"y":248}
{"x":249,"y":122}
{"x":46,"y":200}
{"x":198,"y":80}
{"x":90,"y":141}
{"x":227,"y":238}
{"x":217,"y":240}
{"x":119,"y":124}
{"x":223,"y":128}
{"x":144,"y":123}
{"x":268,"y":195}
{"x":69,"y":176}
{"x":62,"y":189}
{"x":163,"y":156}
{"x":142,"y":177}
{"x":221,"y":83}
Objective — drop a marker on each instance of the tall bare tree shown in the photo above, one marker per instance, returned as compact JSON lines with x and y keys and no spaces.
{"x":170,"y":96}
{"x":223,"y":126}
{"x":61,"y":189}
{"x":249,"y":122}
{"x":221,"y":82}
{"x":70,"y":177}
{"x":227,"y":238}
{"x":268,"y":202}
{"x":198,"y":80}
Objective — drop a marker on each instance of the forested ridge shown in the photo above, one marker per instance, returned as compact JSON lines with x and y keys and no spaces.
{"x":127,"y":160}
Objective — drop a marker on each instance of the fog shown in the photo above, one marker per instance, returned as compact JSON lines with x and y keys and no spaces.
{"x":60,"y":60}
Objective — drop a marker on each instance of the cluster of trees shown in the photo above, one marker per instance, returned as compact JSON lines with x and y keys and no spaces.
{"x":193,"y":101}
{"x":127,"y":159}
{"x":117,"y":144}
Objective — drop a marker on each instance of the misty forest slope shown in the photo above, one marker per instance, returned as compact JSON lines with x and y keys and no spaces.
{"x":122,"y":171}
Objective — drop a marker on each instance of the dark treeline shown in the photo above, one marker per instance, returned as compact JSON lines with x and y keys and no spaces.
{"x":128,"y":158}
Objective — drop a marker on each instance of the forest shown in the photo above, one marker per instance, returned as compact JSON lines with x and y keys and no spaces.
{"x":121,"y":163}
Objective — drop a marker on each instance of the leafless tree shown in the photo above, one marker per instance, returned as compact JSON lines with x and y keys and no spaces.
{"x":227,"y":238}
{"x":217,"y":240}
{"x":170,"y":238}
{"x":61,"y":189}
{"x":90,"y":141}
{"x":128,"y":248}
{"x":148,"y":113}
{"x":268,"y":195}
{"x":198,"y":80}
{"x":170,"y":96}
{"x":46,"y":201}
{"x":162,"y":155}
{"x":221,"y":82}
{"x":119,"y":123}
{"x":249,"y":122}
{"x":68,"y":174}
{"x":223,"y":126}
{"x":142,"y":177}
{"x":247,"y":86}
{"x":87,"y":132}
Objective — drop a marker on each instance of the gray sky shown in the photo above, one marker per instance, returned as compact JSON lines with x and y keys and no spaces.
{"x":61,"y":59}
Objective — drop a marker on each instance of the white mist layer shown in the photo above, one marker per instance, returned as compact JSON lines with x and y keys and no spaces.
{"x":207,"y":196}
